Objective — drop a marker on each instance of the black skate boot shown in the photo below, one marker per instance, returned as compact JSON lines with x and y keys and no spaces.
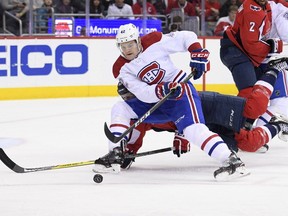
{"x":110,"y":162}
{"x":279,"y":63}
{"x":232,"y":168}
{"x":281,"y":123}
{"x":128,"y":160}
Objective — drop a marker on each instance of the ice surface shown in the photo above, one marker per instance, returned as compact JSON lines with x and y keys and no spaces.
{"x":55,"y":131}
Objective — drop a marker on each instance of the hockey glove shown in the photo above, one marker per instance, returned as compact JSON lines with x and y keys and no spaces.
{"x":124,"y":92}
{"x":181,"y":145}
{"x":276,"y":45}
{"x":164,"y":88}
{"x":199,"y":62}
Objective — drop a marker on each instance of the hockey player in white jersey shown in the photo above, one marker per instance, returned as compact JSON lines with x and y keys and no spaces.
{"x":147,"y":71}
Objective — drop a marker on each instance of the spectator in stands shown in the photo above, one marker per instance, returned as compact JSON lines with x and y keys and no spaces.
{"x":162,"y":5}
{"x":106,"y":4}
{"x":64,"y":6}
{"x":211,"y":16}
{"x":131,"y":2}
{"x":226,"y":21}
{"x":224,"y":10}
{"x":187,"y":7}
{"x":79,"y":6}
{"x":96,"y":7}
{"x":37,"y":4}
{"x":17,"y":8}
{"x":42,"y":16}
{"x":138,"y":8}
{"x":1,"y":18}
{"x":120,"y":10}
{"x":176,"y":24}
{"x":212,"y":10}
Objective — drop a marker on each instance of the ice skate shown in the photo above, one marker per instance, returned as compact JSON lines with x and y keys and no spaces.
{"x":110,"y":163}
{"x":279,"y":64}
{"x":128,"y":160}
{"x":281,"y":122}
{"x":232,"y":168}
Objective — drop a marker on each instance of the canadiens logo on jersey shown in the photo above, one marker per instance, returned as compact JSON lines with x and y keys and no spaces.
{"x":151,"y":73}
{"x":255,"y":8}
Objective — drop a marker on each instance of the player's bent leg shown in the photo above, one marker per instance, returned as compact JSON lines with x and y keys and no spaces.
{"x":121,"y":116}
{"x":134,"y":144}
{"x":215,"y":147}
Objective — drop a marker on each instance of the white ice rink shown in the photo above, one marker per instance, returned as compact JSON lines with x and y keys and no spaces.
{"x":50,"y":132}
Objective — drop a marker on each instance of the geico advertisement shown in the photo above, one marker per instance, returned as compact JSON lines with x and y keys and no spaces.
{"x":54,"y":62}
{"x":82,"y":62}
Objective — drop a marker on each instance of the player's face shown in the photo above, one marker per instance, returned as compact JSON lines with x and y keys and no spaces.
{"x":261,"y":2}
{"x":129,"y":49}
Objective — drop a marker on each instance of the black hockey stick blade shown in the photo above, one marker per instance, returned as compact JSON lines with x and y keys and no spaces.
{"x":116,"y":139}
{"x":18,"y":169}
{"x":9,"y":163}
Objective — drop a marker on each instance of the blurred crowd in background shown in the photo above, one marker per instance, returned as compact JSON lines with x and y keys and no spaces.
{"x":180,"y":14}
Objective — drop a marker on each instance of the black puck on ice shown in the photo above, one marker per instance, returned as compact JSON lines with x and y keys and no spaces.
{"x":98,"y":178}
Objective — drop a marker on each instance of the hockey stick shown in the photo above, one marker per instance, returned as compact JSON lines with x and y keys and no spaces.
{"x":149,"y":152}
{"x":18,"y":169}
{"x":116,"y":139}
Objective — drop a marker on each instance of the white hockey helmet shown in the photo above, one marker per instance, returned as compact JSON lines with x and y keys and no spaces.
{"x":126,"y":33}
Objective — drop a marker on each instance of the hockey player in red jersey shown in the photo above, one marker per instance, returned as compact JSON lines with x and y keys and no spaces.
{"x":147,"y":71}
{"x":279,"y":97}
{"x":244,"y":47}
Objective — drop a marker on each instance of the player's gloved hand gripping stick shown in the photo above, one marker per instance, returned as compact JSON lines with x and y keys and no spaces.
{"x":116,"y":139}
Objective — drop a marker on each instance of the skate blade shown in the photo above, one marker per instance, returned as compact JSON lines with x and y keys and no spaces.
{"x":263,"y":149}
{"x":98,"y":168}
{"x":239,"y":173}
{"x":283,"y":136}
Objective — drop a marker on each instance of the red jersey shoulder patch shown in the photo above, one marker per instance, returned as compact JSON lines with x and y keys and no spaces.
{"x":118,"y":65}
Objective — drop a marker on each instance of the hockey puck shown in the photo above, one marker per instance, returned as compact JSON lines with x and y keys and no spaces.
{"x":98,"y":178}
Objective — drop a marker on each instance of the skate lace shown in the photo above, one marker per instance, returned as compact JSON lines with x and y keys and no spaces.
{"x":281,"y":66}
{"x":233,"y":160}
{"x":284,"y":128}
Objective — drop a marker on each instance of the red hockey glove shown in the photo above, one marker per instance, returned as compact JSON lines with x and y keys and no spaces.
{"x":181,"y":145}
{"x":199,"y":62}
{"x":163,"y":88}
{"x":276,"y":45}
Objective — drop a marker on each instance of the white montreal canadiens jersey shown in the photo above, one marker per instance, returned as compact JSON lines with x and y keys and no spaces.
{"x":279,"y":27}
{"x":154,"y":65}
